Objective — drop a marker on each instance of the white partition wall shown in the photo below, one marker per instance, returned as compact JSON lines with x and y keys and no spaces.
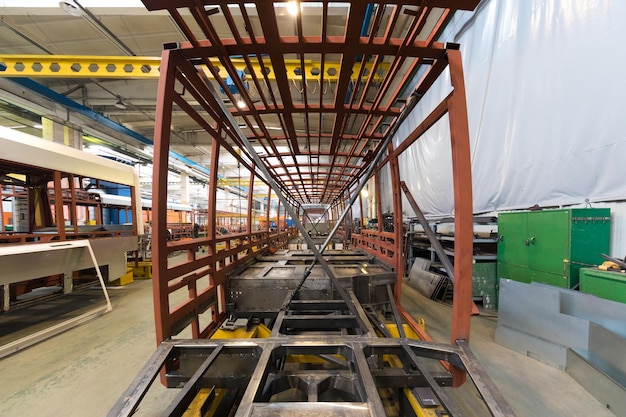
{"x":545,"y":87}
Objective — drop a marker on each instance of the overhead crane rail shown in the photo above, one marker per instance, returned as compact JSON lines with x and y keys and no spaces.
{"x":239,"y":182}
{"x":136,"y":67}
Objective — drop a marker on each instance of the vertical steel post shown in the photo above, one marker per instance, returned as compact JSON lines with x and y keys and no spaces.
{"x":73,"y":215}
{"x":269,"y":200}
{"x":212,"y":191}
{"x":135,"y":208}
{"x":362,"y":219}
{"x":379,"y":203}
{"x":463,"y":211}
{"x":58,"y":205}
{"x":250,"y":205}
{"x":398,"y":224}
{"x":165,"y":92}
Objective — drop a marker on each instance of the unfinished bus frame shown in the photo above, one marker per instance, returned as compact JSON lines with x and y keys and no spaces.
{"x":330,"y":161}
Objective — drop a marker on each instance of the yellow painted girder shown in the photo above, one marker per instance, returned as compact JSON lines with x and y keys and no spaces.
{"x":86,"y":66}
{"x":312,"y":69}
{"x":79,"y":66}
{"x":240,"y":182}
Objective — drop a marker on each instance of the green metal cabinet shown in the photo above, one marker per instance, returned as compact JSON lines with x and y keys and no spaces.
{"x":604,"y":284}
{"x":550,"y":246}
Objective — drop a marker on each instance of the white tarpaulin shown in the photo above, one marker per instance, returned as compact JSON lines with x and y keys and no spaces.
{"x":545,"y":85}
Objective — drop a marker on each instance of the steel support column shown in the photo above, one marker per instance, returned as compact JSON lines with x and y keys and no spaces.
{"x":398,"y":224}
{"x":58,"y":205}
{"x":362,"y":219}
{"x":135,"y":207}
{"x":269,"y":200}
{"x":463,"y":210}
{"x":73,"y":218}
{"x":379,"y":204}
{"x":212,"y":192}
{"x":278,"y":208}
{"x":165,"y":93}
{"x":250,"y":204}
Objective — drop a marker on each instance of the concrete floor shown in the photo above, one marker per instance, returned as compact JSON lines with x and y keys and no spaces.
{"x":84,"y":371}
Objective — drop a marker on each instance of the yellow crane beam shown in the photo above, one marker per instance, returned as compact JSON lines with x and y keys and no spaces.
{"x":240,"y":182}
{"x":78,"y":66}
{"x":135,"y":67}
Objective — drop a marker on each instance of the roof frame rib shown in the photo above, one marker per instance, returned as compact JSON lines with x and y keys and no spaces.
{"x":315,"y":144}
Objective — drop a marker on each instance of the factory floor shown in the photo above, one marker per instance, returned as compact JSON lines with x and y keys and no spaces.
{"x":84,"y":371}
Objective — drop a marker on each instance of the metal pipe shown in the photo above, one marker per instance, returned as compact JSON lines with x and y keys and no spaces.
{"x":25,"y":37}
{"x":105,"y":31}
{"x":429,"y":233}
{"x":441,"y":253}
{"x":394,"y":310}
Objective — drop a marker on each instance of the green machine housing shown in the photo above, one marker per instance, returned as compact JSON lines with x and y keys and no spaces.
{"x":610,"y":285}
{"x":550,"y":246}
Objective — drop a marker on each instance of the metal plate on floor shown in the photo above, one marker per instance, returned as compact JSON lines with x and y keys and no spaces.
{"x":425,"y":397}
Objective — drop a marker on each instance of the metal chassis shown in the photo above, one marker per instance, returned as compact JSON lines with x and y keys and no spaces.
{"x":359,"y":348}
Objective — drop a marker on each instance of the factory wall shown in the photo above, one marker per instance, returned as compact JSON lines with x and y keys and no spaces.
{"x":544,"y":84}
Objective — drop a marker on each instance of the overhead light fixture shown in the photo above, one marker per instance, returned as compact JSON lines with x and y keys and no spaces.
{"x":70,"y":8}
{"x":364,"y":193}
{"x":37,"y":126}
{"x":292,"y":8}
{"x":120,"y":103}
{"x":239,"y":101}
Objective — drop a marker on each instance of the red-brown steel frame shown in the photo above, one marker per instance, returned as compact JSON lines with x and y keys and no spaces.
{"x":181,"y":81}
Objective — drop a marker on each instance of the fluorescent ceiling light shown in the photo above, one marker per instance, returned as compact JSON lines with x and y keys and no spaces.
{"x":70,"y":8}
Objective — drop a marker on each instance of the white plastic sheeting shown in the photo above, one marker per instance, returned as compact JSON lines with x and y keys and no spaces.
{"x":545,"y":85}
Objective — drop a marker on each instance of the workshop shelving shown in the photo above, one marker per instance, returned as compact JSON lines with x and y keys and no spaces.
{"x":484,"y":283}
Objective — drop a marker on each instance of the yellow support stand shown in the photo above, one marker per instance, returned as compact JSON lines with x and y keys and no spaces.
{"x":143,"y":269}
{"x":194,"y":409}
{"x":125,"y":279}
{"x":257,"y":331}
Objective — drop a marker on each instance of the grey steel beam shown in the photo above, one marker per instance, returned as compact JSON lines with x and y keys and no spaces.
{"x":130,"y":399}
{"x":497,"y":405}
{"x":179,"y":405}
{"x":321,"y":321}
{"x":440,"y":393}
{"x":396,"y":315}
